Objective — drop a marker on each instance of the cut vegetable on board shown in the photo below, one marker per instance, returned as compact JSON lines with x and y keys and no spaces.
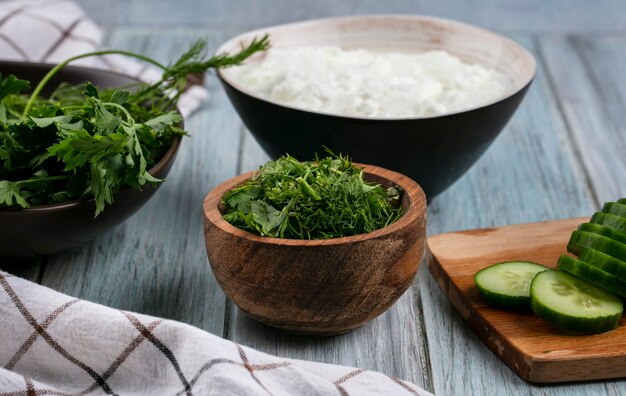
{"x":571,"y":303}
{"x":581,"y":295}
{"x":507,"y":284}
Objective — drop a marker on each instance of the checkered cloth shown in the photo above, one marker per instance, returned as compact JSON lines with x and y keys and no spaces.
{"x":53,"y":344}
{"x":50,"y":31}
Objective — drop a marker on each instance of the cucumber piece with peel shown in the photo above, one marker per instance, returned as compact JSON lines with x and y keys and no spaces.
{"x":604,"y":262}
{"x":606,"y":219}
{"x":592,"y":274}
{"x":571,"y":303}
{"x":507,"y":284}
{"x":604,"y":231}
{"x":582,"y":239}
{"x":615,"y":208}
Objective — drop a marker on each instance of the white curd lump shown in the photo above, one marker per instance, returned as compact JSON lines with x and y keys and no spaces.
{"x":371,"y":84}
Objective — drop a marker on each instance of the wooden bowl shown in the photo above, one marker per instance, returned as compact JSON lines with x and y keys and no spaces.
{"x":317,"y":287}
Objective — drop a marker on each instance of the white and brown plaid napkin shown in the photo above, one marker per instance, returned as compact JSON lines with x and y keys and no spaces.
{"x":50,"y":31}
{"x":53,"y":344}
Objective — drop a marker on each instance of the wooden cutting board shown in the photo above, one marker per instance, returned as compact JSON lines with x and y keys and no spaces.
{"x":531,"y":347}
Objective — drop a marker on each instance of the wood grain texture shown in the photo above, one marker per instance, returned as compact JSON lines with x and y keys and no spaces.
{"x":585,"y":74}
{"x":155,"y":263}
{"x":318,"y":287}
{"x":530,"y":346}
{"x":527,"y":16}
{"x":529,"y":174}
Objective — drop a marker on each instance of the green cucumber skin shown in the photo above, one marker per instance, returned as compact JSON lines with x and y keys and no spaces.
{"x":592,"y":275}
{"x":604,"y":231}
{"x":520,"y":303}
{"x":615,"y":208}
{"x":580,"y":325}
{"x":609,"y":220}
{"x":499,"y":300}
{"x":582,"y":239}
{"x":605,"y":262}
{"x":584,"y":325}
{"x":622,"y":201}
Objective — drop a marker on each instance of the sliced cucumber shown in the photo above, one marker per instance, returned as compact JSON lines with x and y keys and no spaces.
{"x":571,"y":303}
{"x":592,"y":274}
{"x":582,"y":239}
{"x":507,"y":284}
{"x":614,"y":208}
{"x":605,"y":262}
{"x":606,"y":219}
{"x":604,"y":231}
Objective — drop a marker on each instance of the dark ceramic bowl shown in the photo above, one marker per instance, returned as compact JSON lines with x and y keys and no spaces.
{"x":434,"y":151}
{"x":51,"y":228}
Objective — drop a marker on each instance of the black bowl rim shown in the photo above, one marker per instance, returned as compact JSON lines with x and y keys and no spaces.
{"x":167,"y":157}
{"x":262,"y":31}
{"x":48,"y":65}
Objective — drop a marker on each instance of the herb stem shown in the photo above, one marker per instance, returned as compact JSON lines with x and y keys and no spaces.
{"x":40,"y":179}
{"x":55,"y":70}
{"x":129,"y":118}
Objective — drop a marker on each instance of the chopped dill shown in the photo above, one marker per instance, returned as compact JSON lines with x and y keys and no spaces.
{"x":322,"y":199}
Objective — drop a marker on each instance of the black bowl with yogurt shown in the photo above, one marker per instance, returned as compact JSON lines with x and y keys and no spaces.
{"x":435,"y":150}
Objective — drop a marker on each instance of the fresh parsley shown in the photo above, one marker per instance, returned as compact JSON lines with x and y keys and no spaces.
{"x":321,"y":199}
{"x":85,"y":142}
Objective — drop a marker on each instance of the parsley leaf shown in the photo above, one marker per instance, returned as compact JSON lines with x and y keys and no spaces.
{"x":12,"y":85}
{"x":10,"y":194}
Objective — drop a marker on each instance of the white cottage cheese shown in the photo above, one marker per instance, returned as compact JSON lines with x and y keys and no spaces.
{"x":371,"y":84}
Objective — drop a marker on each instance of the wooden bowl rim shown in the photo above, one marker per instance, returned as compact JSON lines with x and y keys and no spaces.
{"x":236,"y":42}
{"x":416,"y":209}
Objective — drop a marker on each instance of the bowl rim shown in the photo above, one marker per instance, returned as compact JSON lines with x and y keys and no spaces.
{"x":165,"y":159}
{"x":48,"y":65}
{"x":238,"y":39}
{"x":416,"y":209}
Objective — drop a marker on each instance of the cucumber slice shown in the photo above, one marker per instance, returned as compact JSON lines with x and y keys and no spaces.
{"x":592,"y":274}
{"x":614,"y":208}
{"x":605,"y":262}
{"x":609,"y":220}
{"x":583,"y":239}
{"x":606,"y":219}
{"x":571,"y":303}
{"x":507,"y":284}
{"x":604,"y":231}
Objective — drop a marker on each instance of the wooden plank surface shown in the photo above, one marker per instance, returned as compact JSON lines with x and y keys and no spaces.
{"x":508,"y":15}
{"x":587,"y":75}
{"x":530,"y":346}
{"x":548,"y":163}
{"x":530,"y":173}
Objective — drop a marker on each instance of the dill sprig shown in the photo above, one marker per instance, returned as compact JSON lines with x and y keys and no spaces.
{"x":321,"y":199}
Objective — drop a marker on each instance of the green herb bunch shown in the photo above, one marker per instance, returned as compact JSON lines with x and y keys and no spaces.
{"x":82,"y":142}
{"x":322,"y":199}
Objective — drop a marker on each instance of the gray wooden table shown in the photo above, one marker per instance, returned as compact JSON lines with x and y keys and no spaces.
{"x":562,"y":155}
